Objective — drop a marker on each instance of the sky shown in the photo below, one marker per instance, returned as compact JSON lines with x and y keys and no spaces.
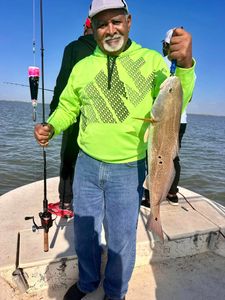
{"x":63,"y":22}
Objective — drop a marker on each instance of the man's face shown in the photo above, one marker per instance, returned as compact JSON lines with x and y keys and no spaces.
{"x":111,"y":29}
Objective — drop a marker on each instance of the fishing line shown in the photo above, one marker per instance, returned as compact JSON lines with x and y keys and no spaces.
{"x":33,"y":71}
{"x":24,"y":85}
{"x":42,"y":63}
{"x":34,"y":34}
{"x":202,"y":213}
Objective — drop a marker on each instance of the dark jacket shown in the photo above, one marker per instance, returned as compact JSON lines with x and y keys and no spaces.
{"x":73,"y":52}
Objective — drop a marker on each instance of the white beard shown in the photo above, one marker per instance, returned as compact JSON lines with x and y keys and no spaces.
{"x":116,"y":47}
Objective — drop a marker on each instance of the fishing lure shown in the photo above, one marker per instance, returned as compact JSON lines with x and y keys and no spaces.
{"x":33,"y":74}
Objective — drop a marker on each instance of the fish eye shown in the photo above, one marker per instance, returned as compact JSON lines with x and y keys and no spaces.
{"x":170,"y":90}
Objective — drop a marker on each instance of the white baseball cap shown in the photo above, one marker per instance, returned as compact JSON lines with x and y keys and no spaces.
{"x":98,"y":6}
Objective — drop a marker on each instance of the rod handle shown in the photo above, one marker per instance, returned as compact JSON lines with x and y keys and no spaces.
{"x":46,"y":248}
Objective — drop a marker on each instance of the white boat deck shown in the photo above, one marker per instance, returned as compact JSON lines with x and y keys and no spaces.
{"x":189,"y":265}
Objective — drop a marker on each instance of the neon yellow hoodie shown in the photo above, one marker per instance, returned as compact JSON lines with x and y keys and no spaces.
{"x":110,"y":94}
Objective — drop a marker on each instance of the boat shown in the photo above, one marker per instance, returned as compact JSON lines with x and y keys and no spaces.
{"x":189,"y":264}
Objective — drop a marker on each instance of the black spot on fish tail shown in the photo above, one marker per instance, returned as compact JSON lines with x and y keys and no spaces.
{"x":155,"y":226}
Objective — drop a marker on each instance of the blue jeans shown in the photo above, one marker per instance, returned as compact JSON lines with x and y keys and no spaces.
{"x":111,"y":193}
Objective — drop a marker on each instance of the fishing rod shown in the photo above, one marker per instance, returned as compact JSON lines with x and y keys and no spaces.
{"x":45,"y":216}
{"x":25,"y":85}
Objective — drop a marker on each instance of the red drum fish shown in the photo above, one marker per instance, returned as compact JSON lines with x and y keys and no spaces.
{"x":162,"y":137}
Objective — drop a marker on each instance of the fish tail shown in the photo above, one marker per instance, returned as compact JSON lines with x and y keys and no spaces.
{"x":154,"y":225}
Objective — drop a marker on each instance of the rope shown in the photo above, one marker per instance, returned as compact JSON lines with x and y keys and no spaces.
{"x":212,"y":204}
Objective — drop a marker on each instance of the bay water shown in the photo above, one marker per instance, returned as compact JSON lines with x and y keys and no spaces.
{"x":202,"y":154}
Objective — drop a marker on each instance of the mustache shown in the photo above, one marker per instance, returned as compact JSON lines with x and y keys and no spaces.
{"x":115,"y":36}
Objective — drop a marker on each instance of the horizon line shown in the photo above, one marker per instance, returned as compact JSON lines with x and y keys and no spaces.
{"x":48,"y":102}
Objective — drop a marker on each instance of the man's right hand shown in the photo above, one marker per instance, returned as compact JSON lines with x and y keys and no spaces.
{"x":43,"y":133}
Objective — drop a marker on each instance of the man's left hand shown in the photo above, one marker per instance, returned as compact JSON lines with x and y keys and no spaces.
{"x":181,"y":48}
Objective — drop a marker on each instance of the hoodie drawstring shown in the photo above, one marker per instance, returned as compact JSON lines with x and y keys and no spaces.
{"x":111,"y":61}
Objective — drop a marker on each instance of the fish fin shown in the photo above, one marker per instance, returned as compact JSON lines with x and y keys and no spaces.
{"x":146,"y":183}
{"x":149,"y":120}
{"x":146,"y":135}
{"x":154,"y":225}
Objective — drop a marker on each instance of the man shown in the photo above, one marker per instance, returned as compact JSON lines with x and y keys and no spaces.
{"x":111,"y":88}
{"x":73,"y":52}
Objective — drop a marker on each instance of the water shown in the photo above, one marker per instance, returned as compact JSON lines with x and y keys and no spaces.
{"x":203,"y":156}
{"x":21,"y":158}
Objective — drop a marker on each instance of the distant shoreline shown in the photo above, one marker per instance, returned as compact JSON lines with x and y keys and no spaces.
{"x":48,"y":102}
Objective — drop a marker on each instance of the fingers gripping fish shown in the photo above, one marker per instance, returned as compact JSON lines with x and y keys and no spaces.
{"x":162,"y":138}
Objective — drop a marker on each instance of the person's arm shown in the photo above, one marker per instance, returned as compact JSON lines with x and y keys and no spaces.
{"x":68,"y":108}
{"x":62,"y":78}
{"x":65,"y":114}
{"x":187,"y":77}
